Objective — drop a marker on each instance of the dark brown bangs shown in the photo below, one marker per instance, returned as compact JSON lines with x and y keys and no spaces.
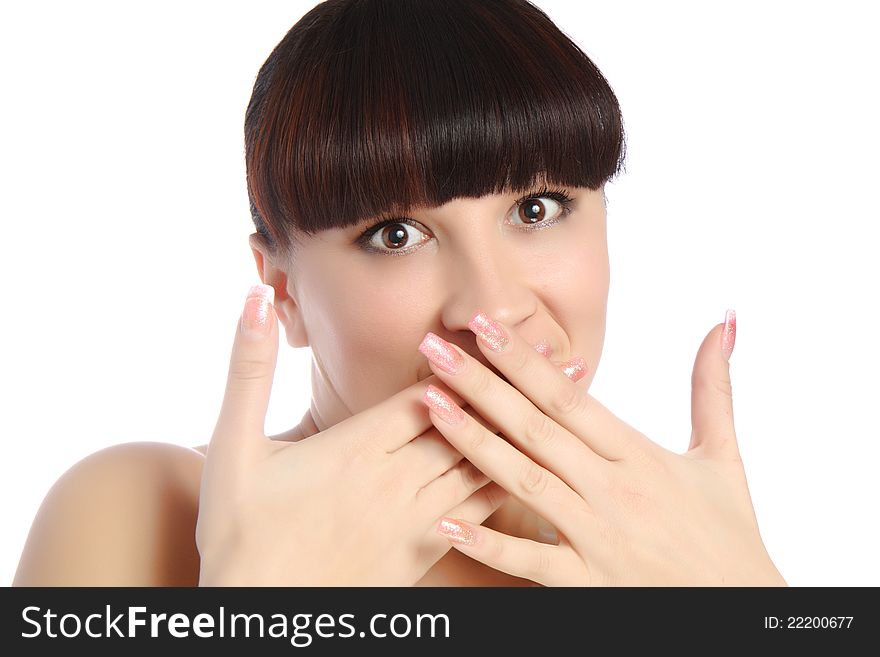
{"x":375,"y":106}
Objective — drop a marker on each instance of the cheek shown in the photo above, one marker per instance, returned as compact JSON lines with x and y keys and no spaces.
{"x":367,"y":336}
{"x":575,"y":280}
{"x":574,"y":287}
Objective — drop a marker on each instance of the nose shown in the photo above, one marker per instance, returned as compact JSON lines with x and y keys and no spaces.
{"x":487,"y":277}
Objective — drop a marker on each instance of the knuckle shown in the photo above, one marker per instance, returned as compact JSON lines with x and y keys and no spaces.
{"x":248,"y":370}
{"x":495,"y":551}
{"x":723,"y":387}
{"x":571,"y":401}
{"x":539,"y":429}
{"x":533,"y":478}
{"x":542,"y":563}
{"x":481,"y":384}
{"x":647,"y":458}
{"x":475,"y":435}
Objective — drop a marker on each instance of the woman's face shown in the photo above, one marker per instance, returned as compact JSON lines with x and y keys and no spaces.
{"x":366,"y":307}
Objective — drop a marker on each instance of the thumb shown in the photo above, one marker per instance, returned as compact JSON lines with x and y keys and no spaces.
{"x":711,"y":393}
{"x":251,"y":371}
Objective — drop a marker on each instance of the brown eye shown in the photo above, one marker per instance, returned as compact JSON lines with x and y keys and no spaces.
{"x":532,"y":211}
{"x":542,"y":210}
{"x":394,"y":236}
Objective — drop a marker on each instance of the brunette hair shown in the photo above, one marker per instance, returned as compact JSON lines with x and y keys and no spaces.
{"x":367,"y":107}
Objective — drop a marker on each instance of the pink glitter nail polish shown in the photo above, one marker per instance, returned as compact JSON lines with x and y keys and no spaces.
{"x":728,"y":334}
{"x":455,"y":531}
{"x":254,"y":320}
{"x":544,"y":348}
{"x":442,"y":405}
{"x":575,"y":369}
{"x":490,"y":332}
{"x":441,"y":353}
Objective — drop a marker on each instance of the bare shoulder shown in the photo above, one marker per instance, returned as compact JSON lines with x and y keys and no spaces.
{"x":123,"y":516}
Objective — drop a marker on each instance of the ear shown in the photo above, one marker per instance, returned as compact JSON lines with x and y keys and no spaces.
{"x":274,"y":273}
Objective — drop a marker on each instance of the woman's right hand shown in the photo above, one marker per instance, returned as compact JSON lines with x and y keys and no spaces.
{"x":356,"y":504}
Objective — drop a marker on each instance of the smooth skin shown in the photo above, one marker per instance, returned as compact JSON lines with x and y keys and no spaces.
{"x":629,"y":512}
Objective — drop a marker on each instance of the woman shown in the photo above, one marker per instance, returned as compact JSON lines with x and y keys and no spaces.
{"x":427,"y":183}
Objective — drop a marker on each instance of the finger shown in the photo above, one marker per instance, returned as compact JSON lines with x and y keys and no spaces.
{"x":390,"y":425}
{"x":526,"y":425}
{"x":251,"y":370}
{"x":481,"y":504}
{"x":426,"y":457}
{"x":430,"y":455}
{"x":451,"y":488}
{"x":538,"y":488}
{"x":566,"y":403}
{"x":550,"y":565}
{"x":713,"y":432}
{"x":386,"y":426}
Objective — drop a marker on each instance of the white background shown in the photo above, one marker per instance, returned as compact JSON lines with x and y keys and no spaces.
{"x":750,"y":184}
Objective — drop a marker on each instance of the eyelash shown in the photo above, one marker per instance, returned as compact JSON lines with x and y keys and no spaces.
{"x":557,"y":194}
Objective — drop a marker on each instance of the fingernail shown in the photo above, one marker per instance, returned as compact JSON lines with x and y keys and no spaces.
{"x":442,"y":405}
{"x":575,"y":369}
{"x":455,"y":531}
{"x":441,"y":353}
{"x":728,"y":334}
{"x":255,"y":316}
{"x":544,"y":348}
{"x":489,"y":331}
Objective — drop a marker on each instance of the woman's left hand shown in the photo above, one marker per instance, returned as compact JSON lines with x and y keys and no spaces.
{"x":628,"y":512}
